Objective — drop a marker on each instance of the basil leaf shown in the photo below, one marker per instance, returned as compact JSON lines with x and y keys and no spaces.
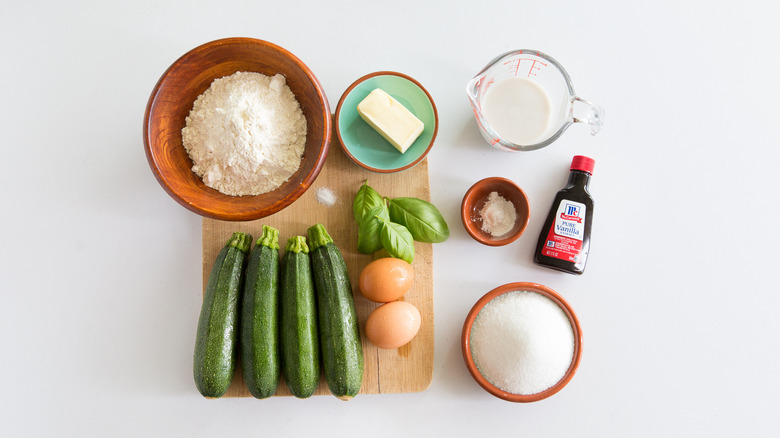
{"x":369,"y":229}
{"x":397,"y":240}
{"x":422,"y":218}
{"x":366,"y":199}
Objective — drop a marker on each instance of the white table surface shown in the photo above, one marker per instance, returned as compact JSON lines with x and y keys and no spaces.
{"x":101,"y":269}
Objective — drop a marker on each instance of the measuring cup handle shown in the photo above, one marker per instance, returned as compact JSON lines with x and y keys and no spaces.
{"x":587,"y":112}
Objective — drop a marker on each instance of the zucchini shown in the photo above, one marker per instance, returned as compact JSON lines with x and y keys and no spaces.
{"x":216,"y":339}
{"x":342,"y":351}
{"x":259,"y":317}
{"x":300,"y":343}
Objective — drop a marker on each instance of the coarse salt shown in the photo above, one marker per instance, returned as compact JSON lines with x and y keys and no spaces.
{"x":498,"y":215}
{"x":522,"y":342}
{"x":326,"y":197}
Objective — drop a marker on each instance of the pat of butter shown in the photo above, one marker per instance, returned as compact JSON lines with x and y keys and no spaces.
{"x":391,"y":119}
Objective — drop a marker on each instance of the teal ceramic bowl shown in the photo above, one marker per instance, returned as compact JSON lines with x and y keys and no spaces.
{"x":368,"y":148}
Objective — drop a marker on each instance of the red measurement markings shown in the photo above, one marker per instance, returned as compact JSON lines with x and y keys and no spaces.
{"x":481,"y":126}
{"x":483,"y":86}
{"x":516,"y":66}
{"x":531,"y":71}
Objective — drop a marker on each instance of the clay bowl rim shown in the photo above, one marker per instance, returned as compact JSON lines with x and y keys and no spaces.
{"x":469,"y":200}
{"x":363,"y":79}
{"x":466,"y":343}
{"x":248,"y":211}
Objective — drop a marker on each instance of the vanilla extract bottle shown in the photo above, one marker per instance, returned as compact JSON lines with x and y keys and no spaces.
{"x":565,"y":239}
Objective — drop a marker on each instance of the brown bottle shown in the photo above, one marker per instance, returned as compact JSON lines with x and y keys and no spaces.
{"x":565,"y":239}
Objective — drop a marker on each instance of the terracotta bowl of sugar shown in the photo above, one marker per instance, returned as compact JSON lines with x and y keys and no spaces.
{"x":495,"y":211}
{"x":173,"y":98}
{"x":522,"y":342}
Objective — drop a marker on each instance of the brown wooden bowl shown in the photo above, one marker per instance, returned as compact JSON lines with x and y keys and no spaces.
{"x":465,"y":342}
{"x":476,"y":197}
{"x":171,"y":102}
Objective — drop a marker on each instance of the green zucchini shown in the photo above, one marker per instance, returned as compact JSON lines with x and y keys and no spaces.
{"x":216,"y":339}
{"x":259,"y":317}
{"x":300,"y":343}
{"x":342,"y":351}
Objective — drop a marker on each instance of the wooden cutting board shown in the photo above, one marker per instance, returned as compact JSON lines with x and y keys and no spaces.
{"x":407,"y":369}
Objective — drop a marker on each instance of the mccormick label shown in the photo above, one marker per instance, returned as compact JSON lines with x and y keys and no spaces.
{"x":564,"y":239}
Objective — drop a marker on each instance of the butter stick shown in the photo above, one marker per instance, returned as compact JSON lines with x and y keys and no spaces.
{"x":391,"y":119}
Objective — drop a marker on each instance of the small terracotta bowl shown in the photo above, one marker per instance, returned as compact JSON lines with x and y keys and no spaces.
{"x":475,"y":199}
{"x":171,"y":102}
{"x":466,"y":345}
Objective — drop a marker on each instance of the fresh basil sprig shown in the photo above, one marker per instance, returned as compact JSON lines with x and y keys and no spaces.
{"x":421,"y":218}
{"x":366,"y":199}
{"x":369,"y":229}
{"x":394,"y":224}
{"x":397,"y":240}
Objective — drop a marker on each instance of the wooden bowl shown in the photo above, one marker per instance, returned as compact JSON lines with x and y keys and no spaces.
{"x":466,"y":342}
{"x":171,"y":102}
{"x":476,"y":197}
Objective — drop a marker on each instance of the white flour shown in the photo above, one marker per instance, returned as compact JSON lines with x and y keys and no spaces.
{"x":245,"y":134}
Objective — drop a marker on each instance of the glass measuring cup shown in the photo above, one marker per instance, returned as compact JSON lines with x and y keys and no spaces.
{"x":566,"y":107}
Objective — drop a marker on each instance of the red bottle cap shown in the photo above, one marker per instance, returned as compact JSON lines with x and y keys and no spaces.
{"x":583,"y":163}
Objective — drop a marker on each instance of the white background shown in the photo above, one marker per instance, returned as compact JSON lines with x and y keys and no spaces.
{"x":101,"y":269}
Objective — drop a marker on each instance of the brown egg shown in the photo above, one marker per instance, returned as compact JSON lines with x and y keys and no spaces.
{"x":393,"y":325}
{"x":386,"y":279}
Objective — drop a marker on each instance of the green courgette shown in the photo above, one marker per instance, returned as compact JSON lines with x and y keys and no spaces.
{"x":216,"y":339}
{"x":342,"y":352}
{"x":259,"y":317}
{"x":300,"y":343}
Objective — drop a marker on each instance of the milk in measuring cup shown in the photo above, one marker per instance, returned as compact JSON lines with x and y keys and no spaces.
{"x":519,"y":110}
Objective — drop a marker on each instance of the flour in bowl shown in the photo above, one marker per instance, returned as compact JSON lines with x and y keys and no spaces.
{"x":245,"y":134}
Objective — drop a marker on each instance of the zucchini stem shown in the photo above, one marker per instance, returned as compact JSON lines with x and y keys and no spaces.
{"x":297,"y":244}
{"x":240,"y":240}
{"x":269,"y":238}
{"x":318,"y":237}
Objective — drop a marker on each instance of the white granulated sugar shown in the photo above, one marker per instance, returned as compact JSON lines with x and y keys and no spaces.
{"x":522,"y":342}
{"x":245,"y":134}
